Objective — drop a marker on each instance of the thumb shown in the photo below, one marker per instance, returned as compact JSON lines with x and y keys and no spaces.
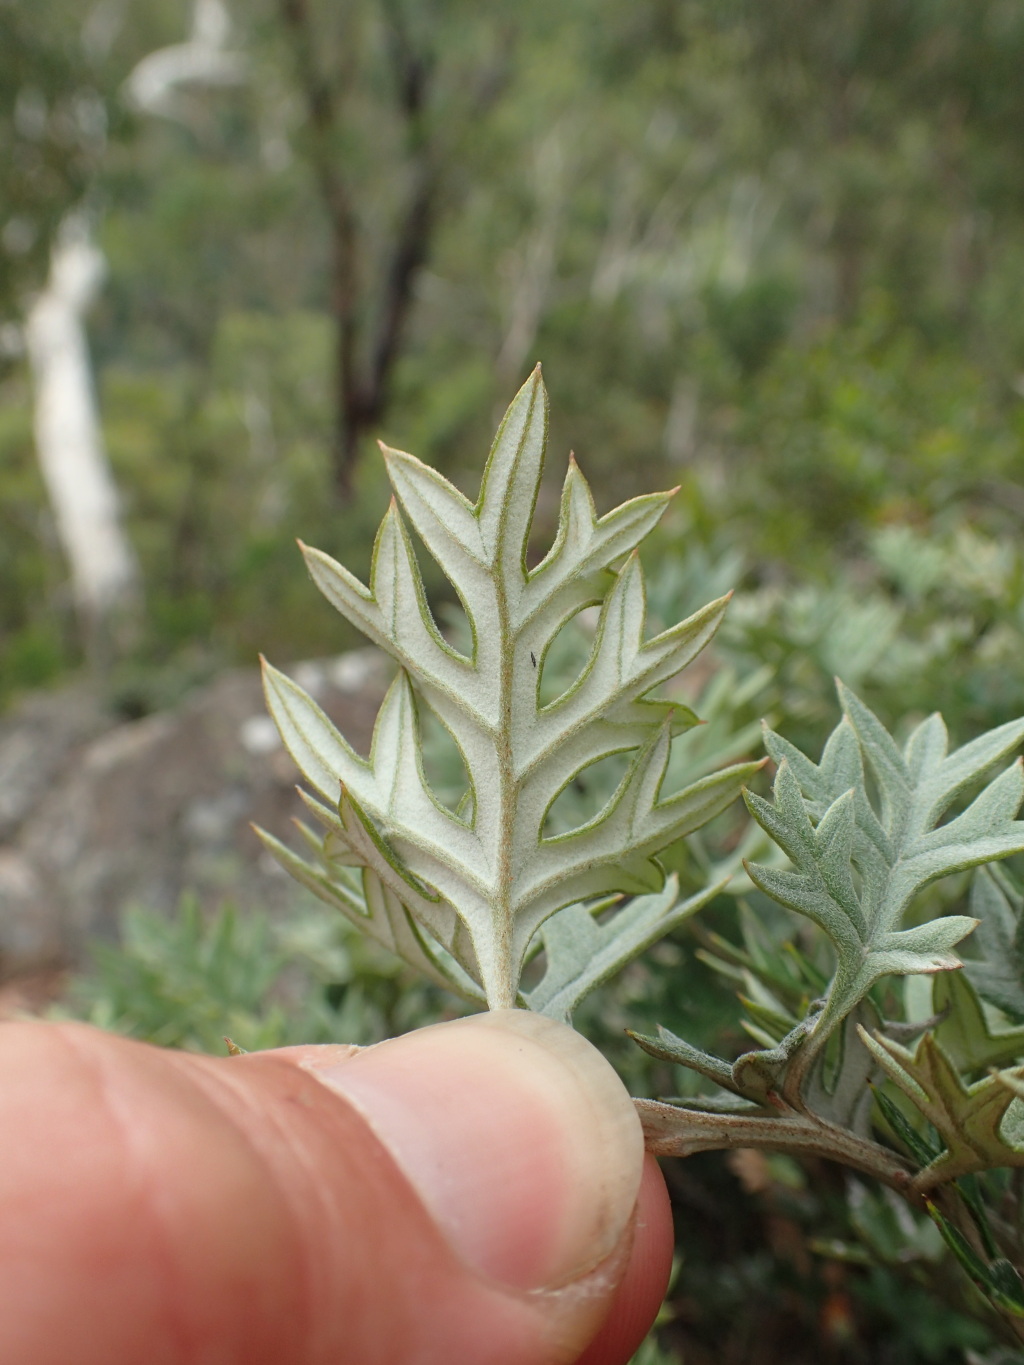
{"x":467,"y":1193}
{"x":522,"y":1145}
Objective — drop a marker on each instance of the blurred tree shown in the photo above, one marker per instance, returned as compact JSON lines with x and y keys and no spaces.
{"x":709,"y":222}
{"x":55,"y":119}
{"x":105,"y":582}
{"x":896,"y":128}
{"x":382,"y":94}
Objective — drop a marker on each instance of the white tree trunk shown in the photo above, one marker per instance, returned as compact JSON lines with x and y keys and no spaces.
{"x":105,"y":577}
{"x":159,"y":83}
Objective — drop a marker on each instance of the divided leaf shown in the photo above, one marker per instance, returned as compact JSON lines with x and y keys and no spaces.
{"x":837,"y":1090}
{"x":374,"y":909}
{"x":970,"y":1119}
{"x":482,"y":881}
{"x":998,"y":976}
{"x":581,"y":953}
{"x":857,"y":871}
{"x":963,"y":1030}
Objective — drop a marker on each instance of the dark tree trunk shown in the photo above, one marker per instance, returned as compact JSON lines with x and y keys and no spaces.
{"x":368,"y":332}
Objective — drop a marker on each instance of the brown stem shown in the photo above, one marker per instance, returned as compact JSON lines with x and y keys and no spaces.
{"x":670,"y":1131}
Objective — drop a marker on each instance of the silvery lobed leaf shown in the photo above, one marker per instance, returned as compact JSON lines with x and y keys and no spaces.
{"x":836,"y":1092}
{"x":998,"y":974}
{"x":667,"y":1047}
{"x":856,"y":871}
{"x":376,"y":911}
{"x":581,"y":953}
{"x":482,"y":880}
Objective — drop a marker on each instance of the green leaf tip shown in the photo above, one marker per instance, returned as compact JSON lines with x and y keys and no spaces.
{"x":480,"y":885}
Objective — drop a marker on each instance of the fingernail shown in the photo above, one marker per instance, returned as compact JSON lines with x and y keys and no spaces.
{"x":516,"y":1133}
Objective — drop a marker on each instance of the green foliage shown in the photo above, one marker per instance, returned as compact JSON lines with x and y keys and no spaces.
{"x":651,"y":1353}
{"x":190,"y":981}
{"x":34,"y":644}
{"x":769,"y":252}
{"x":998,"y":973}
{"x":868,"y":425}
{"x":968,"y":1119}
{"x":53,"y":127}
{"x":855,"y":872}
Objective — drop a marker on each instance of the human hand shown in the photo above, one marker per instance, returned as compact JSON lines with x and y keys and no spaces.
{"x":471,"y":1194}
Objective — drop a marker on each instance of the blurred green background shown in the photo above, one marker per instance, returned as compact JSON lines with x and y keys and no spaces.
{"x":770,"y":252}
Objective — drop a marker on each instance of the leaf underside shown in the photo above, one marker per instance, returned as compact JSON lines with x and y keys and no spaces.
{"x":462,"y":894}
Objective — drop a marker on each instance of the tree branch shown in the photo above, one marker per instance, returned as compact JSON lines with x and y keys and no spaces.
{"x":321,"y":96}
{"x":413,"y":71}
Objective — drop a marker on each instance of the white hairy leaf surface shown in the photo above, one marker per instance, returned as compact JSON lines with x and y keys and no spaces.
{"x":476,"y":885}
{"x":857,"y":870}
{"x":865,"y":830}
{"x":998,"y":974}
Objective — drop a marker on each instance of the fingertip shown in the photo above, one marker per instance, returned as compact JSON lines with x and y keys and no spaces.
{"x":641,"y":1291}
{"x":521,"y":1119}
{"x":517,"y":1134}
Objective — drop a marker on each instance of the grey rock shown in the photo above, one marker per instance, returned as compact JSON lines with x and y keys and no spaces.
{"x":96,"y":816}
{"x":35,"y":741}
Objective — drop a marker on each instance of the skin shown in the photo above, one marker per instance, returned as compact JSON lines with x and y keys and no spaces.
{"x":278,"y":1209}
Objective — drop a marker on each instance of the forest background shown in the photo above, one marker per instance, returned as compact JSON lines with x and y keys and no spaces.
{"x":772,"y":253}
